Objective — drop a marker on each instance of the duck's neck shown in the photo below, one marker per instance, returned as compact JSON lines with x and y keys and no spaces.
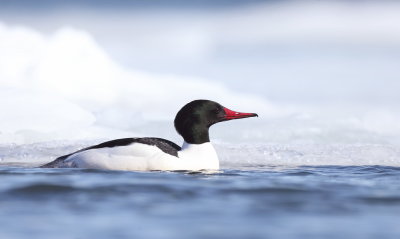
{"x":197,"y":134}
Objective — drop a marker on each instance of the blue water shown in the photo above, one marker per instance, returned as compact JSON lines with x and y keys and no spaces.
{"x":257,"y":202}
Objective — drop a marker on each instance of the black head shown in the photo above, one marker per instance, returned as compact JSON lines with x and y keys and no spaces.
{"x":196,"y":117}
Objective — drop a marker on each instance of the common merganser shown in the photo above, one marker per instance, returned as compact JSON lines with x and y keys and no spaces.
{"x":192,"y":122}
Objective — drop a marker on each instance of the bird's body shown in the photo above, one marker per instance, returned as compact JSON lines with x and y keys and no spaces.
{"x":144,"y":154}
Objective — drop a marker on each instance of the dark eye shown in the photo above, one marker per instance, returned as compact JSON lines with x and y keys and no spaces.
{"x":216,"y":110}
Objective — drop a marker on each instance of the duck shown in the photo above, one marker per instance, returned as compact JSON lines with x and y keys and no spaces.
{"x":192,"y":122}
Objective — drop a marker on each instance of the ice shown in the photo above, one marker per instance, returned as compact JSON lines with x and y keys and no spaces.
{"x":52,"y":85}
{"x":61,"y":91}
{"x":232,"y":156}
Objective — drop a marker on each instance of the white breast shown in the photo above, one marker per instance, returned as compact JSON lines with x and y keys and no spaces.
{"x":142,"y":157}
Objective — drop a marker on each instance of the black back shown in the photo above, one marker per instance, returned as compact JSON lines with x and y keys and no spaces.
{"x":163,"y":144}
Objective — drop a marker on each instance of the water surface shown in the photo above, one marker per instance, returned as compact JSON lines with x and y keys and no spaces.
{"x":254,"y":202}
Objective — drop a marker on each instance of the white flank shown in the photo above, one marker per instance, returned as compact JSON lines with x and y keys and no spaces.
{"x":142,"y":157}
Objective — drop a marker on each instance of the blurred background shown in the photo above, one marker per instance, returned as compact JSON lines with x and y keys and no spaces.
{"x":315,"y":71}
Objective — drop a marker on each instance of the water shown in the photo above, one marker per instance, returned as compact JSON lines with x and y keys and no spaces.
{"x":262,"y":191}
{"x":255,"y":202}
